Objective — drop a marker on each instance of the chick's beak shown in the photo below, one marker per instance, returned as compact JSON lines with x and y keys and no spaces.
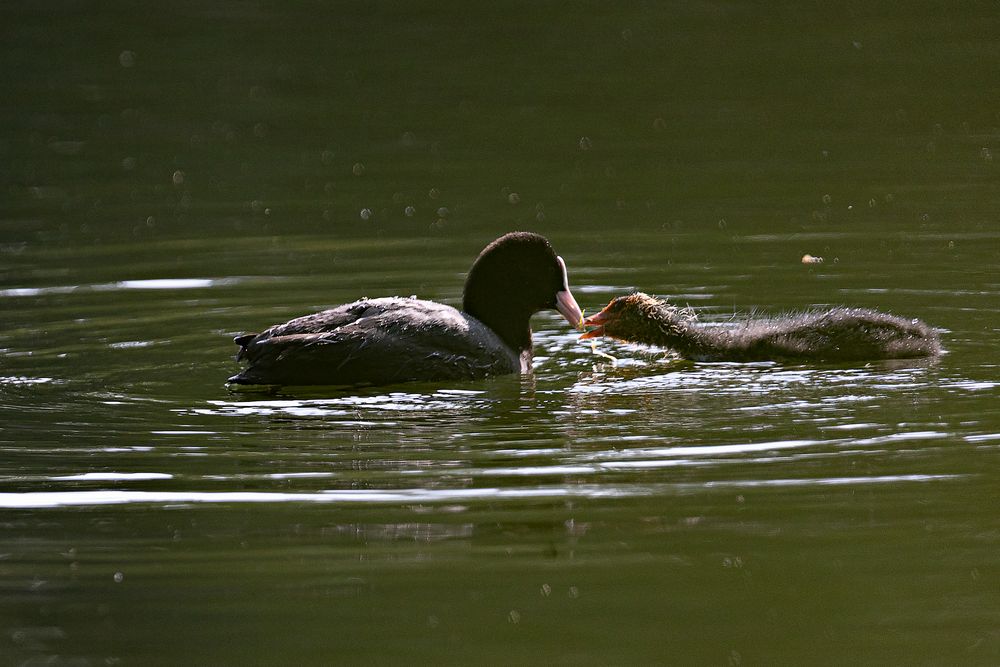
{"x":596,"y":320}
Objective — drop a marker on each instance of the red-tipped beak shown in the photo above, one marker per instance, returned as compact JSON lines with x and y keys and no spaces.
{"x":596,"y":320}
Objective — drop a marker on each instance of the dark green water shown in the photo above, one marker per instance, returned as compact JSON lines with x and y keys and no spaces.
{"x":174,"y":175}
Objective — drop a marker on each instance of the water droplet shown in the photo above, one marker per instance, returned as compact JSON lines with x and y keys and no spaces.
{"x":126,"y":58}
{"x":178,"y":177}
{"x":358,"y":169}
{"x":586,"y":144}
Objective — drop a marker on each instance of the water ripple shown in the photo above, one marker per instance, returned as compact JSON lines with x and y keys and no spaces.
{"x":50,"y":499}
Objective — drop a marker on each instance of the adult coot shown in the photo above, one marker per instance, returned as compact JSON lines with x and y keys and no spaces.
{"x":388,"y":340}
{"x":838,"y":334}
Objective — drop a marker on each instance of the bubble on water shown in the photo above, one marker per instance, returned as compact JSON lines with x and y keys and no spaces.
{"x":329,"y":187}
{"x":433,"y":193}
{"x":408,"y":139}
{"x":627,"y":34}
{"x":514,"y":198}
{"x":889,"y":198}
{"x":433,"y":621}
{"x":443,"y":212}
{"x":178,"y":177}
{"x":931,"y":147}
{"x":358,"y":169}
{"x":872,"y":203}
{"x":573,"y":592}
{"x":119,"y":577}
{"x":659,"y":124}
{"x":398,"y":197}
{"x":267,"y":211}
{"x":857,"y":45}
{"x":256,"y":206}
{"x":409,"y":211}
{"x":540,"y":216}
{"x":546,"y":590}
{"x":723,"y":224}
{"x":326,"y":157}
{"x":126,"y":58}
{"x":367,"y":214}
{"x":986,"y":154}
{"x":951,"y":245}
{"x":129,"y":164}
{"x":824,"y":154}
{"x":827,"y":199}
{"x":585,"y":144}
{"x":257,"y":92}
{"x":150,"y":221}
{"x":514,"y":617}
{"x":260,"y":130}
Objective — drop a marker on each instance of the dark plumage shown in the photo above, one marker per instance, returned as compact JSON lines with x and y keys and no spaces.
{"x":838,"y":334}
{"x":389,"y":340}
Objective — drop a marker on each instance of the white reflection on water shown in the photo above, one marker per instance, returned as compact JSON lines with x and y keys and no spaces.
{"x":85,"y":498}
{"x":111,"y":477}
{"x":157,"y":284}
{"x":441,"y":400}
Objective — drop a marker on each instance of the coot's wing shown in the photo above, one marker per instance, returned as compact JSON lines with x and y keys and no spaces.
{"x":376,"y":341}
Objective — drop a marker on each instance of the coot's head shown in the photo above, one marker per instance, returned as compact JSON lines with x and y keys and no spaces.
{"x":513,"y":278}
{"x":629,"y":317}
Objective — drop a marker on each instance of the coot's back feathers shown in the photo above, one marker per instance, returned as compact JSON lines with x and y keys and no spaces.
{"x":389,"y":340}
{"x":376,"y":341}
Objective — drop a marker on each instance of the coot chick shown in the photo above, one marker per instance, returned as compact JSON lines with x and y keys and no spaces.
{"x":389,"y":340}
{"x":837,"y":334}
